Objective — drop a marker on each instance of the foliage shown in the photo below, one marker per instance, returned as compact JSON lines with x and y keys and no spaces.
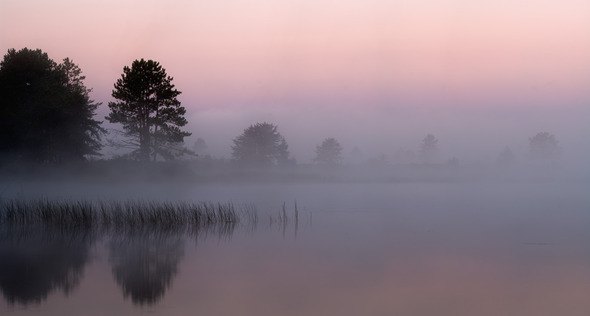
{"x":149,"y":111}
{"x":329,"y":152}
{"x":544,"y":146}
{"x":429,"y":148}
{"x":261,"y":145}
{"x":46,"y":114}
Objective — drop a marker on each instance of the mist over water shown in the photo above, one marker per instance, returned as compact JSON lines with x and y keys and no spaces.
{"x":409,"y":158}
{"x":418,"y":232}
{"x":459,"y":247}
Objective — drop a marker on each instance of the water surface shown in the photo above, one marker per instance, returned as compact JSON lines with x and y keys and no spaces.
{"x":357,"y":249}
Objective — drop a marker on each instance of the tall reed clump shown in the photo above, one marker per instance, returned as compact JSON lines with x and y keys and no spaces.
{"x":117,"y":214}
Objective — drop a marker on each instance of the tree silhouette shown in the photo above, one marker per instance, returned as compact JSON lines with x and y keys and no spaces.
{"x":46,"y":114}
{"x":543,"y":146}
{"x":329,"y":152}
{"x":429,"y":148}
{"x":200,"y":147}
{"x":260,"y":145}
{"x":506,"y":158}
{"x":149,"y":111}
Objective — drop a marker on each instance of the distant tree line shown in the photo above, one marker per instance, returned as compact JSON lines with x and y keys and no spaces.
{"x":47,"y":116}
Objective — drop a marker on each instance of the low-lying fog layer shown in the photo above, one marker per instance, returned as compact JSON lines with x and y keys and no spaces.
{"x":378,"y":238}
{"x":192,"y":182}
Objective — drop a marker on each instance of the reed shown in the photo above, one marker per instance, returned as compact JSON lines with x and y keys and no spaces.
{"x":119,"y":214}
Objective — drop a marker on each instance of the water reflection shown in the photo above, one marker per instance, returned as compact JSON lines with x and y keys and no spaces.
{"x":446,"y":253}
{"x":144,"y":262}
{"x":37,"y":260}
{"x":221,"y":231}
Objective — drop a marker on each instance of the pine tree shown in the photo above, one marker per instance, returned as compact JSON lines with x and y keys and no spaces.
{"x":149,"y":111}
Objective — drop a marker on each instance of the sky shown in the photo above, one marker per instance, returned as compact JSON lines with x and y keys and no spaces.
{"x":375,"y":74}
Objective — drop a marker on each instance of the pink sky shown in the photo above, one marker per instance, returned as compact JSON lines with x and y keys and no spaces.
{"x":238,"y":60}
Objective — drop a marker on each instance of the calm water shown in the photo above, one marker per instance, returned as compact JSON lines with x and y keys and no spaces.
{"x":363,"y":249}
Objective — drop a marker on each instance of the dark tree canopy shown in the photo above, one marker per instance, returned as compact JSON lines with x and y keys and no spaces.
{"x":429,"y":148}
{"x":260,"y":145}
{"x":329,"y":152}
{"x":149,"y":111}
{"x":46,"y":114}
{"x":544,"y":146}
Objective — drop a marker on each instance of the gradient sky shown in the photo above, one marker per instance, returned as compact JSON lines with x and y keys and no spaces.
{"x":366,"y":72}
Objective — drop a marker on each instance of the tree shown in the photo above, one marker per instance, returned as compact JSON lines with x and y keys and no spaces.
{"x":260,"y":145}
{"x":506,"y":158}
{"x":329,"y":152}
{"x":283,"y":154}
{"x":149,"y":111}
{"x":543,"y":146}
{"x":200,"y":147}
{"x":46,"y":114}
{"x":85,"y":132}
{"x":429,"y":148}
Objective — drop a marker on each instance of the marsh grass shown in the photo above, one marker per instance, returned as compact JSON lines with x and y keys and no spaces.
{"x":121,"y":215}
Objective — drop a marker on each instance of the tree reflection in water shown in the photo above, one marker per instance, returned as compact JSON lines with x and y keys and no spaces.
{"x":38,"y":259}
{"x":145,"y":259}
{"x":144,"y":262}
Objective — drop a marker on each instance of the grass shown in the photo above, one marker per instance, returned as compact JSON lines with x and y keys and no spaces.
{"x":116,"y":214}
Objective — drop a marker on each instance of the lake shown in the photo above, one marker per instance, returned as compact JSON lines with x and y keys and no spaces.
{"x":446,"y":248}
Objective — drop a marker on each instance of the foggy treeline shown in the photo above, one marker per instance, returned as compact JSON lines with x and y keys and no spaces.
{"x":48,"y":120}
